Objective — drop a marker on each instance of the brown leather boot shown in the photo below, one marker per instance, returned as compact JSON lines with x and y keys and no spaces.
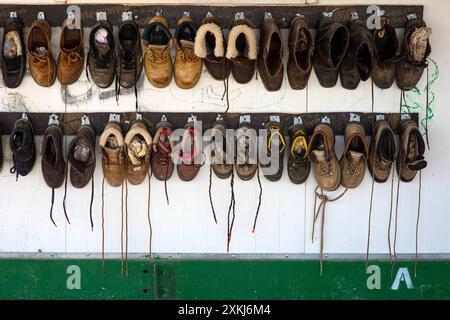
{"x":157,"y":42}
{"x":412,"y":148}
{"x":210,"y":46}
{"x":53,"y":164}
{"x":129,"y":62}
{"x":40,"y":59}
{"x":415,"y":51}
{"x":321,"y":154}
{"x":138,"y":147}
{"x":270,"y":59}
{"x":113,"y":159}
{"x":353,"y":161}
{"x":357,"y":62}
{"x":221,"y":168}
{"x":301,"y":50}
{"x":246,"y":155}
{"x":274,"y":142}
{"x":382,"y":151}
{"x":13,"y":53}
{"x":161,"y":161}
{"x":331,"y":45}
{"x":385,"y":55}
{"x":71,"y":55}
{"x":187,"y":66}
{"x":242,"y":50}
{"x":188,"y":168}
{"x":298,"y":163}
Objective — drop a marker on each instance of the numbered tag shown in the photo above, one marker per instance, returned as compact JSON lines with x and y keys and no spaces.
{"x":244,"y":119}
{"x":139,"y":116}
{"x":239,"y":16}
{"x":209,"y":14}
{"x":53,"y":119}
{"x":127,"y":16}
{"x":298,"y":120}
{"x":219,"y":118}
{"x":192,"y":118}
{"x":114,"y":117}
{"x":405,"y":116}
{"x":186,"y":14}
{"x":41,"y":15}
{"x":326,"y":120}
{"x":163,"y":118}
{"x":380,"y":117}
{"x":411,"y":16}
{"x":24,"y":116}
{"x":299,"y":15}
{"x":85,"y":121}
{"x":355,"y":16}
{"x":101,"y":16}
{"x":267,"y":15}
{"x":13,"y":15}
{"x":274,"y":118}
{"x":158,"y":13}
{"x":355,"y":117}
{"x":328,"y":14}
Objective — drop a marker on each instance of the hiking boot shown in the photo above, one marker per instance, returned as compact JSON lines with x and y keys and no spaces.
{"x":246,"y":158}
{"x":188,"y":67}
{"x":138,"y":147}
{"x":321,"y":154}
{"x":357,"y":62}
{"x":129,"y":65}
{"x":40,"y":59}
{"x":221,"y":168}
{"x":353,"y":161}
{"x":298,"y":163}
{"x":188,"y":168}
{"x":157,"y":41}
{"x":161,"y":161}
{"x":81,"y":157}
{"x":13,"y":53}
{"x":101,"y":59}
{"x":53,"y":164}
{"x":385,"y":55}
{"x":270,"y":60}
{"x":331,"y":45}
{"x":415,"y":51}
{"x":71,"y":55}
{"x":241,"y":50}
{"x":113,"y":160}
{"x":22,"y":147}
{"x":210,"y":46}
{"x":412,"y":148}
{"x":382,"y":151}
{"x":274,"y":142}
{"x":301,"y":50}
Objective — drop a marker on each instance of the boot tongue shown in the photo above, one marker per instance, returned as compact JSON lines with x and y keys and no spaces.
{"x":39,"y":52}
{"x":355,"y":156}
{"x":187,"y":45}
{"x":156,"y":47}
{"x":128,"y":44}
{"x":320,"y":156}
{"x":102,"y":48}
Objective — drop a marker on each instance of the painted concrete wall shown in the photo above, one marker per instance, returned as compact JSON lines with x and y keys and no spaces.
{"x":186,"y":225}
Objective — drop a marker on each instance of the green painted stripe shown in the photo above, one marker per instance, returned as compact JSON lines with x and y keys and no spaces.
{"x":219,"y":279}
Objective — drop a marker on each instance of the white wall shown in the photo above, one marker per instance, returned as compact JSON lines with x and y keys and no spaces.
{"x":186,"y":226}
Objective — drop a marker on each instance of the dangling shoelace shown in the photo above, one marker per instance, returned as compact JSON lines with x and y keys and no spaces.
{"x":210,"y":195}
{"x":149,"y":219}
{"x":226,"y":86}
{"x":231,"y":209}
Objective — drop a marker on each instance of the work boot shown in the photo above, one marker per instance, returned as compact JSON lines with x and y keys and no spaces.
{"x":270,"y":59}
{"x":157,"y":42}
{"x":191,"y":142}
{"x":415,"y":51}
{"x":40,"y":59}
{"x":332,"y":41}
{"x":71,"y":55}
{"x":382,"y":151}
{"x":210,"y":46}
{"x":81,"y":157}
{"x":412,"y":148}
{"x":241,"y":50}
{"x":138,"y":147}
{"x":298,"y":163}
{"x":321,"y":154}
{"x":246,"y":157}
{"x":13,"y":53}
{"x":188,"y":67}
{"x":353,"y":161}
{"x":161,"y":161}
{"x":357,"y":62}
{"x":53,"y":165}
{"x":221,"y":168}
{"x":129,"y":65}
{"x":385,"y":55}
{"x":113,"y":159}
{"x":301,"y":51}
{"x":101,"y":60}
{"x":23,"y":151}
{"x":273,"y":142}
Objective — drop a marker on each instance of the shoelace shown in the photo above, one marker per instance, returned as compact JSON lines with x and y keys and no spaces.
{"x":226,"y":86}
{"x":300,"y":137}
{"x":162,"y":155}
{"x":231,"y":211}
{"x":71,"y":58}
{"x":186,"y":56}
{"x":149,"y":219}
{"x":275,"y":132}
{"x":210,"y":195}
{"x":326,"y":168}
{"x":43,"y":64}
{"x":159,"y":56}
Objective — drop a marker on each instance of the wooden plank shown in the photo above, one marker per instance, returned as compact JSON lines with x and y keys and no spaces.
{"x":283,"y":13}
{"x":178,"y":119}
